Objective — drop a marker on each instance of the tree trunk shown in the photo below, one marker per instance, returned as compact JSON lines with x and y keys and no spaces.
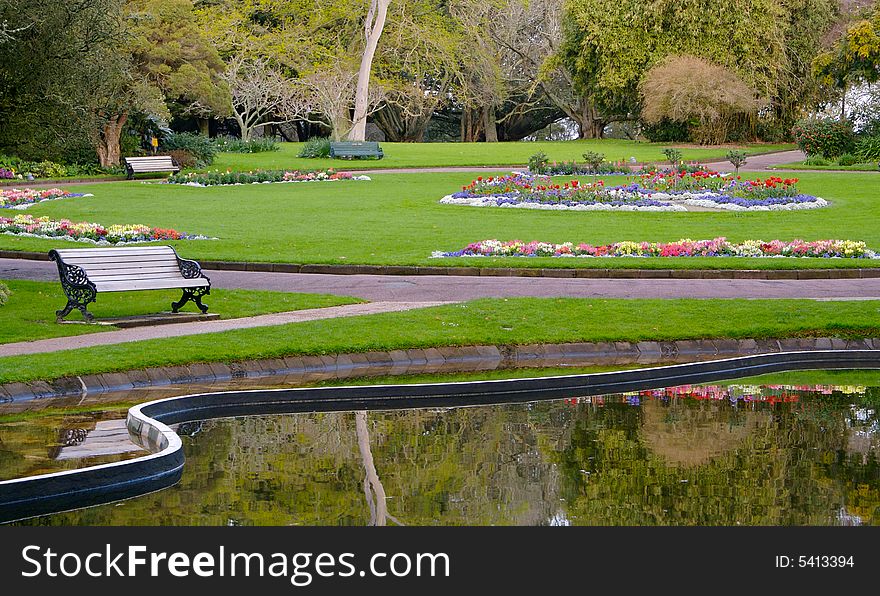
{"x":471,"y":125}
{"x":204,"y":126}
{"x":400,"y":128}
{"x":373,"y":31}
{"x":243,"y":127}
{"x":107,"y":141}
{"x":489,"y":124}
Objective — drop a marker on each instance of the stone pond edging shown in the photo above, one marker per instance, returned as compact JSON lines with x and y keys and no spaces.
{"x":571,"y":273}
{"x":304,"y":369}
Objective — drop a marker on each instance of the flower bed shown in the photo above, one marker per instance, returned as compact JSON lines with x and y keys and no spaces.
{"x":719,"y":247}
{"x":15,"y":198}
{"x":217,"y":178}
{"x":652,"y":191}
{"x":44,"y":227}
{"x":526,"y":191}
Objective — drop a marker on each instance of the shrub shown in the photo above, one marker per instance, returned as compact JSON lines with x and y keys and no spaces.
{"x":673,"y":156}
{"x":538,"y":163}
{"x":815,"y":160}
{"x":184,"y":158}
{"x":199,"y":146}
{"x":594,"y":161}
{"x":825,"y":137}
{"x":15,"y":167}
{"x":4,"y":293}
{"x":710,"y":99}
{"x":666,"y":131}
{"x":847,"y":159}
{"x":737,"y":158}
{"x":236,"y":145}
{"x":563,"y":168}
{"x":868,"y":148}
{"x":315,"y":147}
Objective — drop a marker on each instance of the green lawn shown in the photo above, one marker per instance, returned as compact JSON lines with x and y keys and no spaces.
{"x":423,"y":155}
{"x":481,"y":322}
{"x":396,"y":219}
{"x":859,"y":167}
{"x":30,"y":312}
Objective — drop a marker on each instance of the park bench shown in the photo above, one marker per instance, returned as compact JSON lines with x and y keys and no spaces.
{"x":86,"y":271}
{"x":145,"y":165}
{"x":355,"y":149}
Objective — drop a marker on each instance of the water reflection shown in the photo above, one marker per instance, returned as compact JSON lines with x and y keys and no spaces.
{"x":53,"y":442}
{"x":696,"y":455}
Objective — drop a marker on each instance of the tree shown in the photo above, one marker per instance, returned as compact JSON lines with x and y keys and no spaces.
{"x":261,"y":94}
{"x":165,"y":59}
{"x":532,"y":35}
{"x":609,"y":45}
{"x":327,"y":96}
{"x":373,"y":26}
{"x":670,"y":90}
{"x":853,"y":58}
{"x":48,"y":53}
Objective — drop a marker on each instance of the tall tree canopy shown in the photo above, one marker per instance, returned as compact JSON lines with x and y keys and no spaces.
{"x":610,"y":44}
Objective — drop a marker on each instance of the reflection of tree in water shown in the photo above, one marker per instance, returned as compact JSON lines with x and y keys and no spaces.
{"x":688,"y":436}
{"x":373,"y":489}
{"x":646,"y":466}
{"x":547,"y":462}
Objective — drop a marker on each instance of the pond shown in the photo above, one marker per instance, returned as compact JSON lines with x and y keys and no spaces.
{"x":786,"y":450}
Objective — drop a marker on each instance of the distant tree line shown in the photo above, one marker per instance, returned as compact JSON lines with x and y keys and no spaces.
{"x":91,"y":79}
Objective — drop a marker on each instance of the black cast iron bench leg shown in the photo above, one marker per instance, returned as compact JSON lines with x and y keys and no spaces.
{"x":194,"y":294}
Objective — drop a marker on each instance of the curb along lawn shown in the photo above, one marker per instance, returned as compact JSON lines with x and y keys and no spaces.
{"x":30,"y":312}
{"x":481,"y":322}
{"x":396,"y":219}
{"x":423,"y":155}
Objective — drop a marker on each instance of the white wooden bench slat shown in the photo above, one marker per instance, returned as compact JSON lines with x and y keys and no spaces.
{"x":119,"y":263}
{"x":98,"y":268}
{"x":97,"y":276}
{"x":118,"y":286}
{"x":138,"y":274}
{"x":106,"y":252}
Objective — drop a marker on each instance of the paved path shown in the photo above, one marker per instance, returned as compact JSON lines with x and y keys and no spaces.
{"x":757,"y":163}
{"x":200,"y":327}
{"x":448,"y":288}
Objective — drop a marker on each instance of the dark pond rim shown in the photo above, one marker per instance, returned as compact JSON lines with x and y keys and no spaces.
{"x":148,"y":423}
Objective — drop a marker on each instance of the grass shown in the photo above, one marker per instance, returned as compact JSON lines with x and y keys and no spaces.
{"x":799,"y":165}
{"x":30,"y":313}
{"x":396,"y":220}
{"x":487,"y":322}
{"x":422,"y":155}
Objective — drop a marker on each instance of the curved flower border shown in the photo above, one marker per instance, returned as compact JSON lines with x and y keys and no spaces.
{"x":22,"y":198}
{"x":655,"y":191}
{"x":64,"y":229}
{"x":228,"y":178}
{"x":719,"y":247}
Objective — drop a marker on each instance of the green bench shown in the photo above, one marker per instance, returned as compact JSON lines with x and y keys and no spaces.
{"x":355,"y":149}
